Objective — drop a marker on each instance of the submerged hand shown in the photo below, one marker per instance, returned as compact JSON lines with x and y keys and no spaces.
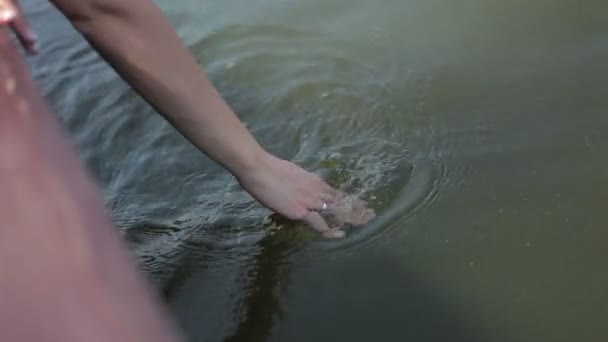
{"x":11,"y":14}
{"x":297,"y":194}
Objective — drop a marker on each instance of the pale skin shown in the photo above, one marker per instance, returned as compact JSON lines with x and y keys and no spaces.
{"x":65,"y":275}
{"x":137,"y":40}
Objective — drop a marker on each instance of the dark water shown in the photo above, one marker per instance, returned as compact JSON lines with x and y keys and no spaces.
{"x":477,"y":129}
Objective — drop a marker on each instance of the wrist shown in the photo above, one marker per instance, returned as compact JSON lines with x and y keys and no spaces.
{"x":252,"y":163}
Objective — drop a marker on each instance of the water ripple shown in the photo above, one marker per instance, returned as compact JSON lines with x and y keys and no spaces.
{"x":363,"y":127}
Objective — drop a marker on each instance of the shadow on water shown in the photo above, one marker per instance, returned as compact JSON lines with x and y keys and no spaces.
{"x":261,"y":278}
{"x":247,"y":289}
{"x":262,"y":305}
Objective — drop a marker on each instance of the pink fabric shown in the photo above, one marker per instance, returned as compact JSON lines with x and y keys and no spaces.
{"x":65,"y":275}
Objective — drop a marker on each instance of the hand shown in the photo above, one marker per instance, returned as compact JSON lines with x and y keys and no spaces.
{"x":10,"y":13}
{"x":297,"y":194}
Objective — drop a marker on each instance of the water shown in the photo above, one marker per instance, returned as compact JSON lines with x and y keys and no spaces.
{"x":475,"y":128}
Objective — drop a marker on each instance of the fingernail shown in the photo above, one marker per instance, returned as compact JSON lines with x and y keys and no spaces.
{"x":31,"y":35}
{"x":32,"y":39}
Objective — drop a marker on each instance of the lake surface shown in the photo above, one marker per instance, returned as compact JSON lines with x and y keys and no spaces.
{"x":477,"y":130}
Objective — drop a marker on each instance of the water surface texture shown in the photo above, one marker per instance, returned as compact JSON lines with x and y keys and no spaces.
{"x":475,"y":129}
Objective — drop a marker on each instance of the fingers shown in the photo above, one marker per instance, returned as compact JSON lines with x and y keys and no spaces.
{"x":321,"y":201}
{"x":316,"y":197}
{"x":334,"y":234}
{"x":10,"y":12}
{"x":24,"y":32}
{"x":326,"y":197}
{"x":318,"y":223}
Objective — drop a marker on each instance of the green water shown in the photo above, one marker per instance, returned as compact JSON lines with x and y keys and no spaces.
{"x":476,"y":129}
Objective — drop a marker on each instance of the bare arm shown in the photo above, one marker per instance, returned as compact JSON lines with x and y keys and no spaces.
{"x":138,"y":41}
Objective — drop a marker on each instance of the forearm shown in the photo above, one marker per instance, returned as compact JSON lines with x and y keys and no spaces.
{"x":138,"y":41}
